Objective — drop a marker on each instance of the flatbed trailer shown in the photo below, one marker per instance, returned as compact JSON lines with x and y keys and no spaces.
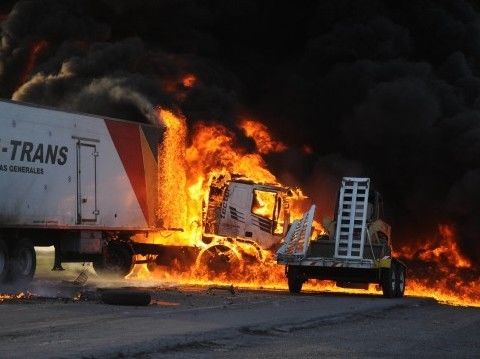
{"x":356,"y":254}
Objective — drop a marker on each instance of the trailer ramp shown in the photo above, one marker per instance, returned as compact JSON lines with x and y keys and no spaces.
{"x":297,"y":239}
{"x":351,"y":218}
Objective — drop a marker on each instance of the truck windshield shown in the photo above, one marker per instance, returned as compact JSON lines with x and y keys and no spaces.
{"x":263,"y":203}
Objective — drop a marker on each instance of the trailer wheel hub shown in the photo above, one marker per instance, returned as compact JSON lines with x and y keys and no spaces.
{"x":219,"y":258}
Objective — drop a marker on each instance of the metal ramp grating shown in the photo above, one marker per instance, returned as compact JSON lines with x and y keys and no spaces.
{"x":351,"y":218}
{"x":298,"y":237}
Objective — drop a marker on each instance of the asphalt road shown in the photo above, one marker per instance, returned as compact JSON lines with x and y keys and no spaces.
{"x":216,"y":323}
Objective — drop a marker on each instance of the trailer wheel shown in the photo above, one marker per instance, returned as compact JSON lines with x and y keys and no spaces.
{"x":4,"y":259}
{"x":117,"y":261}
{"x":401,"y":279}
{"x":23,"y":261}
{"x":295,"y":280}
{"x":389,"y":281}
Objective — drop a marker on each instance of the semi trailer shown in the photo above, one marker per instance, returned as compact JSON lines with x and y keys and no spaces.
{"x":355,"y":251}
{"x":81,"y":183}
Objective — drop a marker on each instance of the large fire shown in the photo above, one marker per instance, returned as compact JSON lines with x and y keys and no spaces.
{"x":258,"y":132}
{"x":443,"y":249}
{"x":437,"y":270}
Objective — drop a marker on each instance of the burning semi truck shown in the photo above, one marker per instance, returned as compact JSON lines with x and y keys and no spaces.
{"x":82,"y":183}
{"x":89,"y":186}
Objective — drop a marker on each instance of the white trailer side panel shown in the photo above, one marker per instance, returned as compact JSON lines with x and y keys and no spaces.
{"x":61,"y":169}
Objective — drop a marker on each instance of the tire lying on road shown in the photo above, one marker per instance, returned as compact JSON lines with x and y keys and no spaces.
{"x":125,"y":297}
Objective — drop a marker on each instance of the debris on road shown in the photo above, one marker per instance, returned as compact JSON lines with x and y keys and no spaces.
{"x":125,"y":297}
{"x":230,"y":288}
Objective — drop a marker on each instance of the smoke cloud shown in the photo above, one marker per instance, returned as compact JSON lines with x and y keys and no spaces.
{"x":386,"y":89}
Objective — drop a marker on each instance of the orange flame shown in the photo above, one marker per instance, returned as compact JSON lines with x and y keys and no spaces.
{"x":171,"y":196}
{"x":35,"y":51}
{"x":444,"y":249}
{"x":22,"y":295}
{"x":439,"y":270}
{"x":258,"y":132}
{"x":188,"y":171}
{"x":178,"y":87}
{"x":189,"y":80}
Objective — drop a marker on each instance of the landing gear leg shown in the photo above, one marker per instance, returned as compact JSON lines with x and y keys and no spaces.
{"x":57,"y":264}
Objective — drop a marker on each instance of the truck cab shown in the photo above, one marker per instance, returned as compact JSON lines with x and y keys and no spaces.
{"x":243,"y":209}
{"x":242,"y":219}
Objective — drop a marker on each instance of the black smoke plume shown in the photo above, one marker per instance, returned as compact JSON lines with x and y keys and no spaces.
{"x":387,"y":89}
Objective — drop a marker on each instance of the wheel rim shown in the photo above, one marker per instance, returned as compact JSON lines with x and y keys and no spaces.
{"x":25,"y":261}
{"x":394,"y":280}
{"x":219,"y":258}
{"x":401,"y":281}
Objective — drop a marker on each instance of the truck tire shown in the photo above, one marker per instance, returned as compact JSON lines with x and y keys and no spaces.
{"x":4,"y":259}
{"x":23,"y":261}
{"x":389,"y":281}
{"x":124,"y":297}
{"x":117,"y":261}
{"x":151,"y":266}
{"x":295,"y":280}
{"x":219,"y":259}
{"x":401,"y":280}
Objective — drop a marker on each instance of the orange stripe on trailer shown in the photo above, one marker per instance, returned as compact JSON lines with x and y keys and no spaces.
{"x":126,"y":138}
{"x":151,"y":170}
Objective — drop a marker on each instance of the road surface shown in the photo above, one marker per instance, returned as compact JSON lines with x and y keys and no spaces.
{"x":199,"y":322}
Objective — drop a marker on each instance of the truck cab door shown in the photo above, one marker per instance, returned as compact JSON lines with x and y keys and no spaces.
{"x":234,"y":211}
{"x":86,"y":183}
